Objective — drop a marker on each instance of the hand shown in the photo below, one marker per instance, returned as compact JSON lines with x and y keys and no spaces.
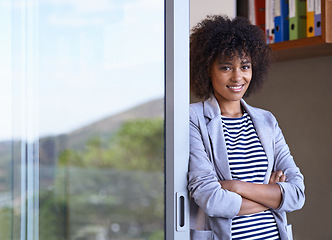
{"x":277,"y":176}
{"x":229,"y":185}
{"x":268,"y":195}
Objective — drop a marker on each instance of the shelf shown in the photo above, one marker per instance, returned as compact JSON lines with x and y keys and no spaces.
{"x":301,"y":48}
{"x":308,"y":47}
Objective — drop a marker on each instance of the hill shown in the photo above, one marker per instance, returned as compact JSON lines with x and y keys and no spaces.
{"x":106,"y":127}
{"x":51,"y":146}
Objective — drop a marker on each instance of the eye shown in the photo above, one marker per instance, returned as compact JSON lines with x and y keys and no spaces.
{"x":246,"y":67}
{"x":225,"y":68}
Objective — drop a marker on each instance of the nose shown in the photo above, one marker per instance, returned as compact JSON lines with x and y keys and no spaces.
{"x":236,"y":76}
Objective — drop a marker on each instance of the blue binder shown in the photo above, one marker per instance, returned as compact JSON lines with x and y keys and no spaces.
{"x":318,"y":18}
{"x":281,"y":21}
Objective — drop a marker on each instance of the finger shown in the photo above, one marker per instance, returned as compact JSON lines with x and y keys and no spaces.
{"x":273,"y":177}
{"x":282,"y":178}
{"x":279,"y":173}
{"x":277,"y":176}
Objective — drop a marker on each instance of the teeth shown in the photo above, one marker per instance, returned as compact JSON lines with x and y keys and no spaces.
{"x":235,"y":87}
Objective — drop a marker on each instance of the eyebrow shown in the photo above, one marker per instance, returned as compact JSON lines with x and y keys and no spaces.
{"x":225,"y":63}
{"x":230,"y":63}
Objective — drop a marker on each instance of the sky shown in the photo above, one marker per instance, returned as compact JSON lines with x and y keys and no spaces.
{"x":93,"y":59}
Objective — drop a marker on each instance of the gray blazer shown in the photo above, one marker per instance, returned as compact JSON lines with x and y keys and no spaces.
{"x":211,"y":207}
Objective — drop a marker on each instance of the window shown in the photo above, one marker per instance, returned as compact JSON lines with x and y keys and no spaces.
{"x":82,"y":137}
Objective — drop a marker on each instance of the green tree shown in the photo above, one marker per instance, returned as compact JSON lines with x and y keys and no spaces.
{"x":53,"y":222}
{"x":127,"y":187}
{"x":137,"y":145}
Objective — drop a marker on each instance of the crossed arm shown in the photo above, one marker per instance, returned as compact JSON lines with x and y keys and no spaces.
{"x":257,"y":197}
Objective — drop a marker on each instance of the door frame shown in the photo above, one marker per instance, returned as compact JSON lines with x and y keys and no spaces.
{"x":176,"y":118}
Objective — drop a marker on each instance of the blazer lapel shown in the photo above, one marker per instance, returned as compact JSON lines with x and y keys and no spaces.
{"x":216,"y":134}
{"x":218,"y":144}
{"x":265,"y":136}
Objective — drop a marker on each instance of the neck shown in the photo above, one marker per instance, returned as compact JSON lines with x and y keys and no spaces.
{"x":231,"y":109}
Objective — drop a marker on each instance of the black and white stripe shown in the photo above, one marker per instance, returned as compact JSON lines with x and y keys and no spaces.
{"x":248,"y":162}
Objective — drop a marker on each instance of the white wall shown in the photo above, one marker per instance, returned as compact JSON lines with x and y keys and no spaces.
{"x":200,"y":8}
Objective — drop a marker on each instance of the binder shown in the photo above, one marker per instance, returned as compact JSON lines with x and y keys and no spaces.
{"x":317,"y":18}
{"x":310,"y":18}
{"x":328,"y":21}
{"x":297,"y":19}
{"x":281,"y":21}
{"x":260,"y":14}
{"x":269,"y":20}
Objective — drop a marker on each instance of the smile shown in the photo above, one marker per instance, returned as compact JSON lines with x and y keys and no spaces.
{"x":236,"y":88}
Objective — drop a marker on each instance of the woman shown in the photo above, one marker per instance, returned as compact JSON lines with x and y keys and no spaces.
{"x":242,"y":177}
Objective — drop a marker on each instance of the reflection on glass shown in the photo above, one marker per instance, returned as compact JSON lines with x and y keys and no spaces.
{"x":6,"y":190}
{"x":101,"y":131}
{"x":101,"y":119}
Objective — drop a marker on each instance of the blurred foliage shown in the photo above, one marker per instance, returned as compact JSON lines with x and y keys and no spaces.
{"x":157,"y":235}
{"x":5,"y":223}
{"x":52,"y":216}
{"x":113,"y":189}
{"x":137,"y":145}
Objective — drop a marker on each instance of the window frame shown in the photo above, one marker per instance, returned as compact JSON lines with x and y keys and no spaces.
{"x":176,"y":118}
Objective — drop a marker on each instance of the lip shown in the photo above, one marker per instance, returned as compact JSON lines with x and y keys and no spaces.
{"x":235,"y":88}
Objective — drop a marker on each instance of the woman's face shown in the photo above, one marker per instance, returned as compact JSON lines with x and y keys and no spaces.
{"x":231,"y":78}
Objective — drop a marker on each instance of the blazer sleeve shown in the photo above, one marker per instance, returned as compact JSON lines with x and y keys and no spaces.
{"x":203,"y":181}
{"x":292,"y":189}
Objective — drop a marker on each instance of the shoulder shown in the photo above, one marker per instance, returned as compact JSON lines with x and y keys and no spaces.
{"x":195,"y":109}
{"x":260,"y":114}
{"x":196,"y":114}
{"x":196,"y":106}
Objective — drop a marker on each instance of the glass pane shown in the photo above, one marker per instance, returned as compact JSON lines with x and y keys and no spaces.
{"x":6,"y":173}
{"x":101,"y":94}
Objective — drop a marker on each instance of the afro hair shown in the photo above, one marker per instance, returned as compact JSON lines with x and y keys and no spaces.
{"x":218,"y":37}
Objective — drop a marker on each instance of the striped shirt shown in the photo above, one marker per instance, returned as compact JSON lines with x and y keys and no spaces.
{"x":248,"y":162}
